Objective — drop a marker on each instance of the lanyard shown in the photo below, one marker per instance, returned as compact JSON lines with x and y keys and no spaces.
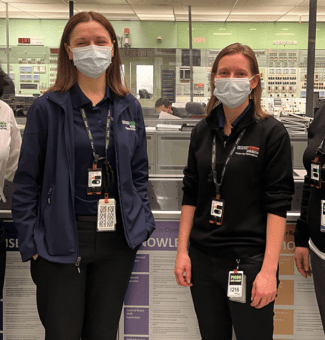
{"x":90,"y":136}
{"x":214,"y":165}
{"x":107,"y":171}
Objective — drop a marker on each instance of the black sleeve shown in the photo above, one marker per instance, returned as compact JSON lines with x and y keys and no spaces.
{"x":302,"y":226}
{"x":278,"y":175}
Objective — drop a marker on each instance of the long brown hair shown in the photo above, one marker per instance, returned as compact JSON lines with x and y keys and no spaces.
{"x":67,"y":73}
{"x":256,"y":93}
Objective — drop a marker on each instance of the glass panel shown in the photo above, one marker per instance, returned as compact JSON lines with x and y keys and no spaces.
{"x":144,"y":81}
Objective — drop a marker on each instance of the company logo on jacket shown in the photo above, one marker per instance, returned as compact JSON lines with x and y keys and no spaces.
{"x":253,"y":151}
{"x":129,"y":125}
{"x":3,"y":126}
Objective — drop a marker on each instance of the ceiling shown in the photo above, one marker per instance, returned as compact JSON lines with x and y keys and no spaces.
{"x":169,"y":10}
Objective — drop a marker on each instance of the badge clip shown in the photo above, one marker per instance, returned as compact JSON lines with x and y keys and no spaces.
{"x":217,"y":210}
{"x":315,"y":174}
{"x":94,"y":186}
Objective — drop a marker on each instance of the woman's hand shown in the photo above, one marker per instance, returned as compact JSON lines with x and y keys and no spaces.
{"x":183,"y":270}
{"x":302,"y":261}
{"x":264,"y":289}
{"x":35,"y":257}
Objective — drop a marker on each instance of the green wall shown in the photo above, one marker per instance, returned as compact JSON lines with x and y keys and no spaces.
{"x":175,"y":34}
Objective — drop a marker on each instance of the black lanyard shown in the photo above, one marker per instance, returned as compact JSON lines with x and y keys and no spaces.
{"x":214,"y":165}
{"x":90,"y":136}
{"x":107,"y":171}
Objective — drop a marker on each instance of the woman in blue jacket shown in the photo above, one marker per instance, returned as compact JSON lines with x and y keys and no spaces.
{"x":80,"y":205}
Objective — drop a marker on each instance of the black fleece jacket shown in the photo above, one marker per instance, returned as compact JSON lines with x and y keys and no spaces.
{"x":258,"y":180}
{"x":308,"y":225}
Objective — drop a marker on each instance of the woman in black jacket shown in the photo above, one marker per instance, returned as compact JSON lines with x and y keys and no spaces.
{"x":238,"y":186}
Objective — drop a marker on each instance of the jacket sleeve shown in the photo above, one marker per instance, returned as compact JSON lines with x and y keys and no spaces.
{"x":191,"y":176}
{"x":28,"y":180}
{"x":15,"y":143}
{"x":302,"y":226}
{"x":139,"y":165}
{"x":278,"y":186}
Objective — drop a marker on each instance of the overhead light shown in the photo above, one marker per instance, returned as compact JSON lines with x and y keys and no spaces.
{"x":222,"y":29}
{"x":160,"y":15}
{"x":252,"y":29}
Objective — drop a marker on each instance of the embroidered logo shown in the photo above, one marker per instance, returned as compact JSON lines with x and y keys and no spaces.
{"x":253,"y":151}
{"x":3,"y":126}
{"x":129,"y":125}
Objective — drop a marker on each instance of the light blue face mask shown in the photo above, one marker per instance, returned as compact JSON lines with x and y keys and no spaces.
{"x":92,"y":60}
{"x":232,"y":92}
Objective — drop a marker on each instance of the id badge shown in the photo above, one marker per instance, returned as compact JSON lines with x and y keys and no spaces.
{"x":94,"y":186}
{"x":322,"y":216}
{"x":315,"y":174}
{"x":217,"y":210}
{"x":237,"y":286}
{"x":106,"y":215}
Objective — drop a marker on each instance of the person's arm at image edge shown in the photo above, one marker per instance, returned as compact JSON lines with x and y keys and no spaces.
{"x":302,"y":234}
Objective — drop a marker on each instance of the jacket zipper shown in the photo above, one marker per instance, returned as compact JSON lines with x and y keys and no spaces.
{"x":78,"y":263}
{"x":49,"y":196}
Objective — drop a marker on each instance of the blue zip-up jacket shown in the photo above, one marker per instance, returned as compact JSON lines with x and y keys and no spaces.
{"x":43,"y":200}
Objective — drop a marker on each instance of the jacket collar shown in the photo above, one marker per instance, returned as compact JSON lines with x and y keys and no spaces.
{"x":247,"y":119}
{"x":120,"y":103}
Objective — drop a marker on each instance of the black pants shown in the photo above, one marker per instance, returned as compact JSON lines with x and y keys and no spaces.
{"x":88,"y":304}
{"x":318,"y":266}
{"x":216,"y":314}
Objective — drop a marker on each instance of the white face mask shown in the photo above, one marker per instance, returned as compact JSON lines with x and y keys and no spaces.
{"x":92,"y":60}
{"x":232,"y":92}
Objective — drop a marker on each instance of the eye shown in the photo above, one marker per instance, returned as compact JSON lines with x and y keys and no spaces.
{"x":101,"y":42}
{"x":222,"y":74}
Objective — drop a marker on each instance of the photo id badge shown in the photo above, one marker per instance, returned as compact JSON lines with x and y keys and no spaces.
{"x":322,"y":216}
{"x":94,"y":186}
{"x":217,"y":210}
{"x":106,"y":215}
{"x":315,"y":174}
{"x":237,"y":286}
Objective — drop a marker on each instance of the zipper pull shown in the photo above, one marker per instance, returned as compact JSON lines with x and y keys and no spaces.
{"x":48,"y":196}
{"x":78,"y":263}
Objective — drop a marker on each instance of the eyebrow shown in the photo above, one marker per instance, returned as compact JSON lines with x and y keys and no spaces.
{"x":100,"y":37}
{"x":238,"y":70}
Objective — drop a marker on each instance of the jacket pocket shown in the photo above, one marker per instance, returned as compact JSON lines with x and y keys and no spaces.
{"x":59,"y":236}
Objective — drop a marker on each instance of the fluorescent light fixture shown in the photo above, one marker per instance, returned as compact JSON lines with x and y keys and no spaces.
{"x":160,"y":15}
{"x":252,"y":29}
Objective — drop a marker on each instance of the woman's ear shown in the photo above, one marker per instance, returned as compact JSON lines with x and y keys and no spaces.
{"x":70,"y":53}
{"x":254,"y":81}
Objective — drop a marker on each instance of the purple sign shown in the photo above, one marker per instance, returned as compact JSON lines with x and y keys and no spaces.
{"x":165,"y":237}
{"x":137,"y":293}
{"x":141,"y":263}
{"x":136,"y":321}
